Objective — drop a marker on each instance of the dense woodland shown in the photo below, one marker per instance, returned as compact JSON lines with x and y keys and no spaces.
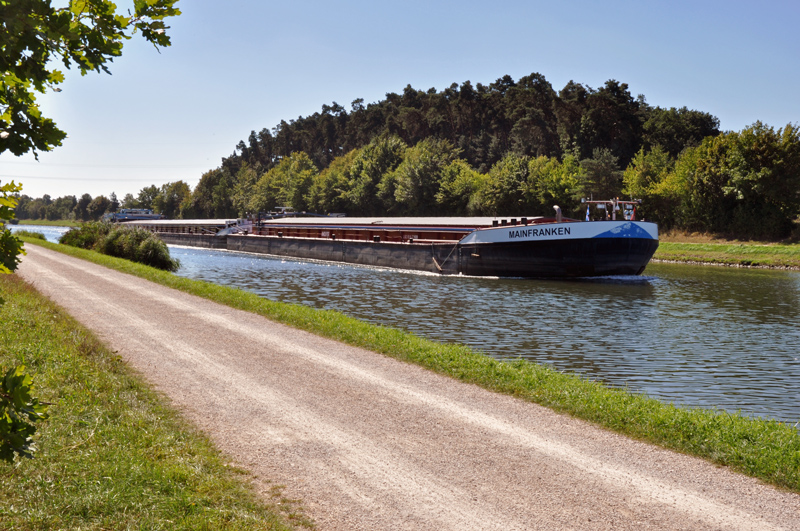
{"x":508,"y":148}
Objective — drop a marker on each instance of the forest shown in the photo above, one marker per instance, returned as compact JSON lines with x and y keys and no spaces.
{"x":507,"y":148}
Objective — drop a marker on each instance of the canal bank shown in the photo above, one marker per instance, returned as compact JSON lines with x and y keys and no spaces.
{"x":226,"y":360}
{"x":766,"y":449}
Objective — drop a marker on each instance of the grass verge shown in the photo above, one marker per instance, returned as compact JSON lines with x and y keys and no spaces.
{"x":112,"y":454}
{"x":765,"y":449}
{"x":731,"y":253}
{"x":52,"y":223}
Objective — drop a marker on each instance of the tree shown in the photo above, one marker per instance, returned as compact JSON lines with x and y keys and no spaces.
{"x":328,"y":191}
{"x":458,"y":184}
{"x":10,"y":246}
{"x":504,"y":191}
{"x":370,"y":171}
{"x":244,"y":181}
{"x":676,"y":129}
{"x":602,"y":177}
{"x":35,"y":36}
{"x":98,"y":207}
{"x":114,"y":202}
{"x":18,"y":409}
{"x":147,"y":196}
{"x":170,"y":197}
{"x":129,"y":201}
{"x":61,"y":208}
{"x":649,"y":177}
{"x":82,"y":207}
{"x":417,"y":179}
{"x":551,"y":182}
{"x":211,"y":197}
{"x":287,"y":184}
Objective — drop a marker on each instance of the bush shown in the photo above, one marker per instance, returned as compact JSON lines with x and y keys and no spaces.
{"x":130,"y":243}
{"x":86,"y":236}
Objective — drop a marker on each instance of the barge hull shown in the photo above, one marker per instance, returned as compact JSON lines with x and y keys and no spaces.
{"x":551,"y":259}
{"x":433,"y":258}
{"x":540,"y":249}
{"x":563,"y":258}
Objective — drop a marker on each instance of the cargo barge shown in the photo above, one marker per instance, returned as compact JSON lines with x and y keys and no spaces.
{"x":543,"y":247}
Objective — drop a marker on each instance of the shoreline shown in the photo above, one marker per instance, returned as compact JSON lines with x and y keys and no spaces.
{"x":737,"y":265}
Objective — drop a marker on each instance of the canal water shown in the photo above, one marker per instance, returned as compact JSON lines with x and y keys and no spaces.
{"x":692,"y":335}
{"x":703,"y":336}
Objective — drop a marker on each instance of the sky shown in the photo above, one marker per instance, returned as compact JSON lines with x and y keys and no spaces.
{"x":243,"y":65}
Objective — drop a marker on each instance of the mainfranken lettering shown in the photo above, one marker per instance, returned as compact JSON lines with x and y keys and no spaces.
{"x":537,"y":233}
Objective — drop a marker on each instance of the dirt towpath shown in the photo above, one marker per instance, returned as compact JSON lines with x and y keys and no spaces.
{"x":369,"y":443}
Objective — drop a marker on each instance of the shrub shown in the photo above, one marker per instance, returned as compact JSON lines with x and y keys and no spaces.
{"x":130,"y":243}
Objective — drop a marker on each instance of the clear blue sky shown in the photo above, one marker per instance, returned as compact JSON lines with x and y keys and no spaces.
{"x":238,"y":65}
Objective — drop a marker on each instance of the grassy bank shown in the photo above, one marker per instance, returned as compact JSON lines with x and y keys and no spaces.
{"x":765,"y":449}
{"x":112,"y":454}
{"x":704,"y":249}
{"x":51,"y":223}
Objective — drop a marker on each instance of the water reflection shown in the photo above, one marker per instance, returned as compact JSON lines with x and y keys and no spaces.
{"x":693,"y":335}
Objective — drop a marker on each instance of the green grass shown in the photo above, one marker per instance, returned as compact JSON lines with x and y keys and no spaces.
{"x":765,"y":449}
{"x":30,"y":234}
{"x":51,"y":223}
{"x":763,"y":255}
{"x":112,"y":455}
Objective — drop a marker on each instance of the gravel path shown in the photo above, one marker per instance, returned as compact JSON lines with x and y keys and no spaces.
{"x":370,"y":443}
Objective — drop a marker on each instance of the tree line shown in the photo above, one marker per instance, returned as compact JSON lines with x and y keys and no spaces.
{"x":509,"y":148}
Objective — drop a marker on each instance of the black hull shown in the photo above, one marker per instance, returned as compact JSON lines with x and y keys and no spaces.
{"x":533,"y":259}
{"x":559,"y":258}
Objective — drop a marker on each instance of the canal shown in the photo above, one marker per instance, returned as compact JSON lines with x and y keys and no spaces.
{"x":705,"y":336}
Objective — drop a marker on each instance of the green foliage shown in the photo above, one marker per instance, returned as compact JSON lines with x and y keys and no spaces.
{"x":81,"y":209}
{"x":485,"y":123}
{"x":170,"y":198}
{"x":552,"y":182}
{"x":601,"y":177}
{"x":745,"y":183}
{"x":330,"y":189}
{"x":18,"y":413}
{"x":650,"y":177}
{"x":244,"y":182}
{"x":287,"y":184}
{"x":503,"y":193}
{"x":211,"y":198}
{"x":417,"y":179}
{"x":130,"y":243}
{"x":372,"y":187}
{"x":99,"y":206}
{"x":676,"y":129}
{"x":147,"y":197}
{"x":18,"y":409}
{"x":10,"y":246}
{"x":458,"y":186}
{"x":87,"y":34}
